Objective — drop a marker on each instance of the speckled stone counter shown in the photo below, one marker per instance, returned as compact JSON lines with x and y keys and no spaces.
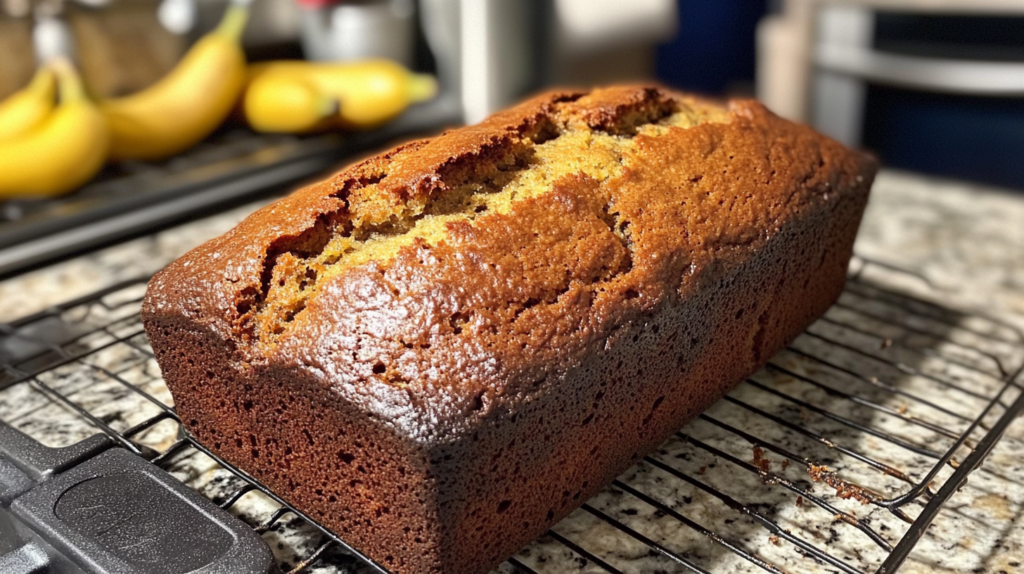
{"x":966,"y":242}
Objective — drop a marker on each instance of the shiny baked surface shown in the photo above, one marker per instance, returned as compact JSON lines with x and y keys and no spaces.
{"x":448,"y":382}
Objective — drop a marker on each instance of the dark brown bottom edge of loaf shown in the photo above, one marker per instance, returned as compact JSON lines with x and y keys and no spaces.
{"x":463,"y":508}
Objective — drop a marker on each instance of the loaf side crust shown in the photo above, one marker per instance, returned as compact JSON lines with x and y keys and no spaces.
{"x":441,"y":407}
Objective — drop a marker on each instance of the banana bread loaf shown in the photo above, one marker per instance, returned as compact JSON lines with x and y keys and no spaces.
{"x":445,"y":349}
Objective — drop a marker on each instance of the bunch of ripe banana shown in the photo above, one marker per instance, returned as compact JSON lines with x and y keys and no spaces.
{"x":48,"y":148}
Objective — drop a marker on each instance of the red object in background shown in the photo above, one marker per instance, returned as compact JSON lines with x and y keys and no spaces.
{"x":314,"y":4}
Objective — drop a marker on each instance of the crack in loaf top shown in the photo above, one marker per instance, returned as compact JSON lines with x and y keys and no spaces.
{"x":448,"y":275}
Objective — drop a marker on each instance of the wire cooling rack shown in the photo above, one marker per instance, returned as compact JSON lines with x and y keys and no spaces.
{"x":836,"y":457}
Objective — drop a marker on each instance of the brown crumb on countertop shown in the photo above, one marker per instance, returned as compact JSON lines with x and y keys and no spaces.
{"x":760,"y":461}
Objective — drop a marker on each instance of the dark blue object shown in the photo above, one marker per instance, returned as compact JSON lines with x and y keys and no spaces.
{"x":964,"y":137}
{"x":714,"y":50}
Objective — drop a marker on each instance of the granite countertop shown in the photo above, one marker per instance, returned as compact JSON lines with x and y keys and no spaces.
{"x":966,"y":240}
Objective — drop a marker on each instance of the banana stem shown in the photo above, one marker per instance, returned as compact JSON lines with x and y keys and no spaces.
{"x":420,"y":87}
{"x":69,"y":83}
{"x":329,"y":107}
{"x":43,"y":81}
{"x":232,"y":24}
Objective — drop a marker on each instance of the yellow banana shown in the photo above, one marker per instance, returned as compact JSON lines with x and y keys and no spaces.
{"x":186,"y":105}
{"x":28,"y":107}
{"x":62,"y":153}
{"x":367,"y":94}
{"x":287,"y":103}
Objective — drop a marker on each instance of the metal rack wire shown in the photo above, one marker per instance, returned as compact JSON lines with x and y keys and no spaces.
{"x":885,"y":405}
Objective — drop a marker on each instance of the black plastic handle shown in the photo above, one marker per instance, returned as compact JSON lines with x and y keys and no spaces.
{"x":103,"y":510}
{"x":39,"y":462}
{"x":29,"y":559}
{"x":118,"y":514}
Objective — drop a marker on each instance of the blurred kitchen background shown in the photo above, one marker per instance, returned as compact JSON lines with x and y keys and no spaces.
{"x":933,"y":86}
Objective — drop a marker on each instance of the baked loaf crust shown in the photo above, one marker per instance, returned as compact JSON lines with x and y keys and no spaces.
{"x":445,"y":349}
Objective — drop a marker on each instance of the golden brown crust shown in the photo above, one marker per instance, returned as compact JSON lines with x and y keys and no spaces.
{"x":520,"y":356}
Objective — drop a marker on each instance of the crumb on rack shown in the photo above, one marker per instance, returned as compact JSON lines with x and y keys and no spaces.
{"x":762,"y":463}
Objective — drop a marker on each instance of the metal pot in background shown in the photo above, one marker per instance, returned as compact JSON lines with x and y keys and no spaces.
{"x":490,"y":53}
{"x":333,"y":30}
